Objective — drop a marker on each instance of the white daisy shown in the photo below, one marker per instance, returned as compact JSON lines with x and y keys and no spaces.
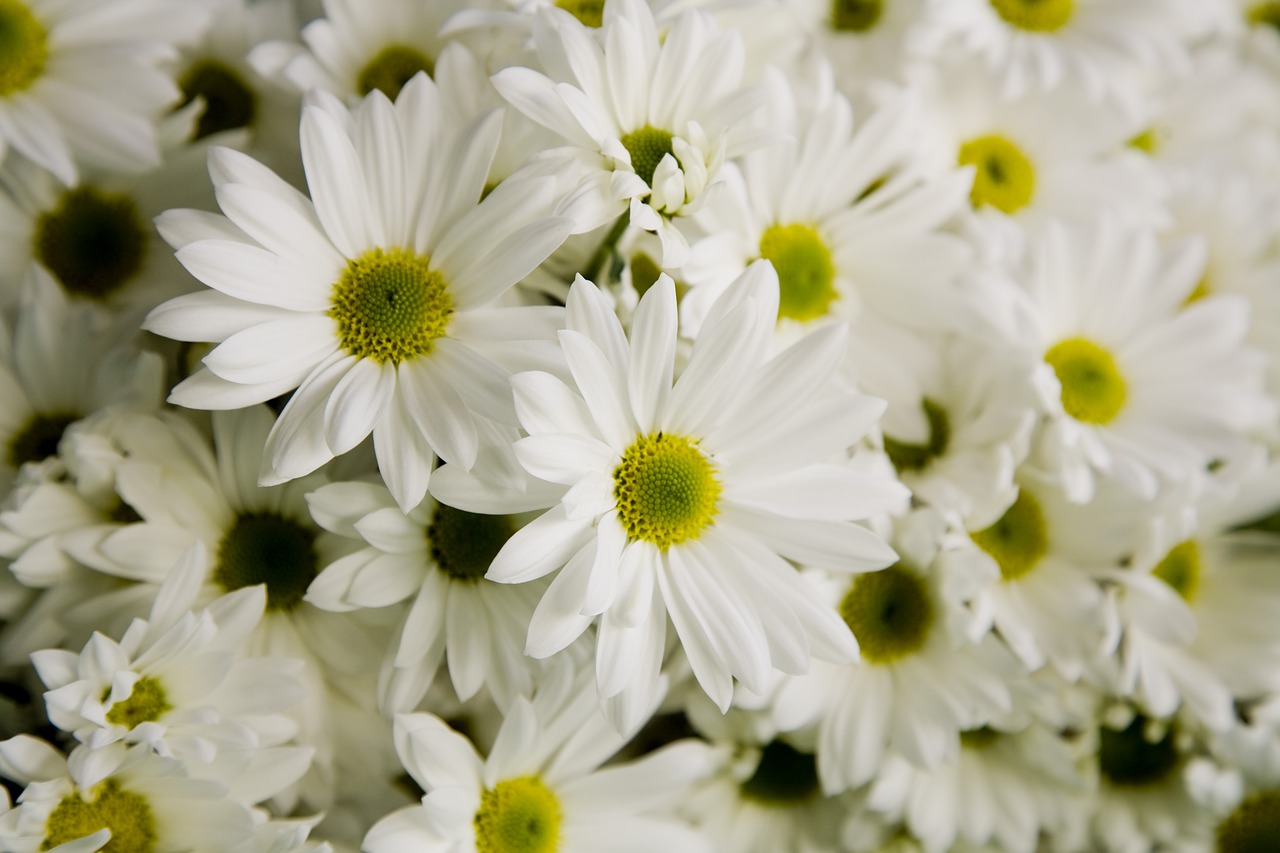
{"x":647,"y":119}
{"x":375,"y":297}
{"x":685,"y":498}
{"x":540,"y":788}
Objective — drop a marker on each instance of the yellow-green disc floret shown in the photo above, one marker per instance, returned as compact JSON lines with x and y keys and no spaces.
{"x":126,"y":814}
{"x":391,"y":306}
{"x":916,"y":457}
{"x":146,"y":704}
{"x":24,"y":47}
{"x":92,"y":241}
{"x":463,"y":544}
{"x":268,"y":548}
{"x":589,"y":12}
{"x":1093,"y":390}
{"x":39,"y":437}
{"x":1254,"y":827}
{"x":889,"y":612}
{"x":229,"y":100}
{"x":647,"y":146}
{"x":666,"y":489}
{"x":518,"y":816}
{"x":1004,"y":179}
{"x":393,"y":67}
{"x":855,"y":16}
{"x":806,"y":272}
{"x":1180,"y":569}
{"x":1018,"y":540}
{"x":1042,"y":16}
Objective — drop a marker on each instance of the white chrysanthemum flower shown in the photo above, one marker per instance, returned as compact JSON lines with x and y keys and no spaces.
{"x":647,"y":119}
{"x":1039,"y":45}
{"x":540,"y":788}
{"x":438,"y":556}
{"x":684,"y":499}
{"x":83,"y":83}
{"x":359,"y":46}
{"x":920,"y":682}
{"x":374,"y":298}
{"x":1142,"y":386}
{"x":841,"y":211}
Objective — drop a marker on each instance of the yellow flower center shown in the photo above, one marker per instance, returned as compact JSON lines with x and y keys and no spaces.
{"x":93,"y":242}
{"x":1004,"y":177}
{"x":393,"y":67}
{"x":39,"y":438}
{"x":1202,"y":289}
{"x":806,"y":272}
{"x":1253,"y":827}
{"x":24,"y":47}
{"x":666,"y":489}
{"x":229,"y":101}
{"x":889,"y":612}
{"x":518,"y":816}
{"x":589,"y":12}
{"x":916,"y":457}
{"x":126,"y":814}
{"x":1148,"y":142}
{"x":1018,"y":540}
{"x":1264,"y":15}
{"x":145,"y":704}
{"x":855,"y":16}
{"x":267,"y":548}
{"x":1180,"y":569}
{"x":1042,"y":16}
{"x":463,"y":544}
{"x":391,"y":306}
{"x":1093,"y":391}
{"x":647,"y":146}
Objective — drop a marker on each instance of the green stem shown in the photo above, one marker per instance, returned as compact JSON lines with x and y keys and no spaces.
{"x":606,"y":248}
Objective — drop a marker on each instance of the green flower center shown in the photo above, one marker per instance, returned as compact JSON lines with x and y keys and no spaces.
{"x":463,"y":544}
{"x":855,"y":16}
{"x":1019,"y":540}
{"x":1093,"y":391}
{"x":1253,"y":827}
{"x":92,"y":241}
{"x":806,"y":273}
{"x":229,"y":101}
{"x":1264,"y":15}
{"x":518,"y":816}
{"x":1004,"y":177}
{"x":916,"y":457}
{"x":784,"y":777}
{"x":24,"y":47}
{"x":589,"y":12}
{"x":267,"y":548}
{"x":1180,"y":569}
{"x":979,"y":738}
{"x":889,"y":612}
{"x":39,"y":438}
{"x":393,"y":67}
{"x":126,"y":814}
{"x":647,"y":146}
{"x":1148,"y":142}
{"x":1127,"y":758}
{"x":391,"y":306}
{"x":1042,"y":16}
{"x":667,"y":490}
{"x":644,"y":273}
{"x":145,"y":704}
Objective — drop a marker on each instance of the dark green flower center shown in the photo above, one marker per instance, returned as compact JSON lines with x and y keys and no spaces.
{"x":229,"y":101}
{"x":393,"y":67}
{"x":92,"y":241}
{"x":1129,"y":759}
{"x":785,"y":776}
{"x":39,"y":438}
{"x":855,"y":16}
{"x":1254,"y":827}
{"x":267,"y":548}
{"x":647,"y":146}
{"x":889,"y":612}
{"x":916,"y":457}
{"x":463,"y":544}
{"x":589,"y":12}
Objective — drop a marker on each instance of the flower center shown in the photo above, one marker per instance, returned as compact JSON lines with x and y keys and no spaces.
{"x":889,"y":612}
{"x":979,"y":738}
{"x":1128,"y":758}
{"x":1005,"y":178}
{"x":518,"y":816}
{"x":1042,"y":16}
{"x":229,"y":101}
{"x":391,"y":306}
{"x":647,"y":146}
{"x":666,"y":489}
{"x":463,"y":544}
{"x":1253,"y":827}
{"x":393,"y":67}
{"x":855,"y":16}
{"x":1180,"y":569}
{"x":92,"y":241}
{"x":24,"y":47}
{"x":1093,"y":391}
{"x":39,"y":439}
{"x":785,"y":776}
{"x":1200,"y":291}
{"x":145,"y":704}
{"x":806,"y":273}
{"x":916,"y":457}
{"x":1019,"y":540}
{"x":267,"y":548}
{"x":1148,"y":142}
{"x":589,"y":12}
{"x":1265,"y":15}
{"x":126,"y":814}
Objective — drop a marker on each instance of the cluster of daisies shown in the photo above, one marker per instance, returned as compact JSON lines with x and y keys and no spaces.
{"x":617,"y":426}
